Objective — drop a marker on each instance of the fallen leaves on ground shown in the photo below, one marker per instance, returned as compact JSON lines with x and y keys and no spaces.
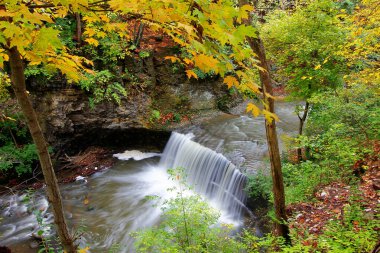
{"x":311,"y":218}
{"x":92,"y":160}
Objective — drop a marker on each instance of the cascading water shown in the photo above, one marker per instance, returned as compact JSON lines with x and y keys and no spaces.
{"x":210,"y":173}
{"x":117,"y":203}
{"x":116,"y":197}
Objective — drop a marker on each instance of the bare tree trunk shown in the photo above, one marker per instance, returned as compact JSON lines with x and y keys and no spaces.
{"x":79,"y":29}
{"x":281,"y":228}
{"x":300,"y":129}
{"x":138,"y":34}
{"x":53,"y":193}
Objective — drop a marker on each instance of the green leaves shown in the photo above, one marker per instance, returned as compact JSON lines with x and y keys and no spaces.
{"x":103,"y":86}
{"x":47,"y":37}
{"x":299,"y":43}
{"x":189,"y":225}
{"x":242,"y":32}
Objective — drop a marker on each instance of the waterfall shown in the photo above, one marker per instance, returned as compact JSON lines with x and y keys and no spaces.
{"x":210,"y":173}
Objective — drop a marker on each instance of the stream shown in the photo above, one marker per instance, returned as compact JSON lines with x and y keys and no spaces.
{"x":109,"y":205}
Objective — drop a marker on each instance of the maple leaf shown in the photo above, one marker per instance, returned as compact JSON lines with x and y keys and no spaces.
{"x":269,"y":116}
{"x":244,"y":31}
{"x":47,"y":37}
{"x":90,"y":32}
{"x":187,"y":61}
{"x":255,"y":110}
{"x":252,"y":87}
{"x":92,"y":41}
{"x":230,"y":81}
{"x":190,"y":74}
{"x":205,"y":63}
{"x":244,"y":12}
{"x":84,"y":250}
{"x":172,"y":58}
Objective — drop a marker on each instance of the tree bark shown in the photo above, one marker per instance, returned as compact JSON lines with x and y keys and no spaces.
{"x":52,"y":189}
{"x":79,"y":29}
{"x":280,"y":226}
{"x":300,"y":129}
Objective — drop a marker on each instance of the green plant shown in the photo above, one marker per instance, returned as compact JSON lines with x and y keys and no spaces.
{"x":356,"y":107}
{"x":103,"y":86}
{"x":19,"y":158}
{"x":177,"y":117}
{"x":302,"y":180}
{"x":303,"y":46}
{"x":188,"y":225}
{"x":155,"y":116}
{"x":259,"y":185}
{"x":67,"y":27}
{"x":144,"y":54}
{"x":38,"y":71}
{"x":16,"y":151}
{"x":203,"y":75}
{"x":48,"y":242}
{"x":354,"y":232}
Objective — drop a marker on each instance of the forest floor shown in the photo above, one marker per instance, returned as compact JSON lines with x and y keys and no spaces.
{"x":68,"y":169}
{"x":310,"y":218}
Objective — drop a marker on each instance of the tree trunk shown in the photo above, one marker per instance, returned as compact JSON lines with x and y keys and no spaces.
{"x":53,"y":193}
{"x":281,"y":228}
{"x":300,"y":129}
{"x":79,"y":29}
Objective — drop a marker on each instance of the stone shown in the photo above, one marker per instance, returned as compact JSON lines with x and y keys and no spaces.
{"x":34,"y":245}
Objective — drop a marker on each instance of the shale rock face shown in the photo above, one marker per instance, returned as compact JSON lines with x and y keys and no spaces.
{"x":66,"y":115}
{"x":69,"y":122}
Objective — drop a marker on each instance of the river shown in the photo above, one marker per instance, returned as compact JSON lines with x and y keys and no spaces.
{"x":109,"y":205}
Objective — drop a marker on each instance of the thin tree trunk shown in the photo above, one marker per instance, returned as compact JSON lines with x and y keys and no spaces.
{"x":53,"y":193}
{"x":281,"y":228}
{"x":79,"y":29}
{"x":138,"y":34}
{"x":300,"y":129}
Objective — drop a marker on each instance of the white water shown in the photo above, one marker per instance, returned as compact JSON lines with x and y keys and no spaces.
{"x":117,"y":203}
{"x":211,"y":174}
{"x":19,"y":220}
{"x":117,"y":198}
{"x":135,"y":155}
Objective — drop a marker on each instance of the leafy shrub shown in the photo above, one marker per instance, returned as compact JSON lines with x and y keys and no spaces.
{"x":155,"y":116}
{"x":301,"y":180}
{"x":353,"y":233}
{"x":259,"y":186}
{"x":144,"y":54}
{"x":357,"y":108}
{"x":19,"y":158}
{"x":16,"y":150}
{"x":334,"y":149}
{"x":188,"y":225}
{"x":103,"y":86}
